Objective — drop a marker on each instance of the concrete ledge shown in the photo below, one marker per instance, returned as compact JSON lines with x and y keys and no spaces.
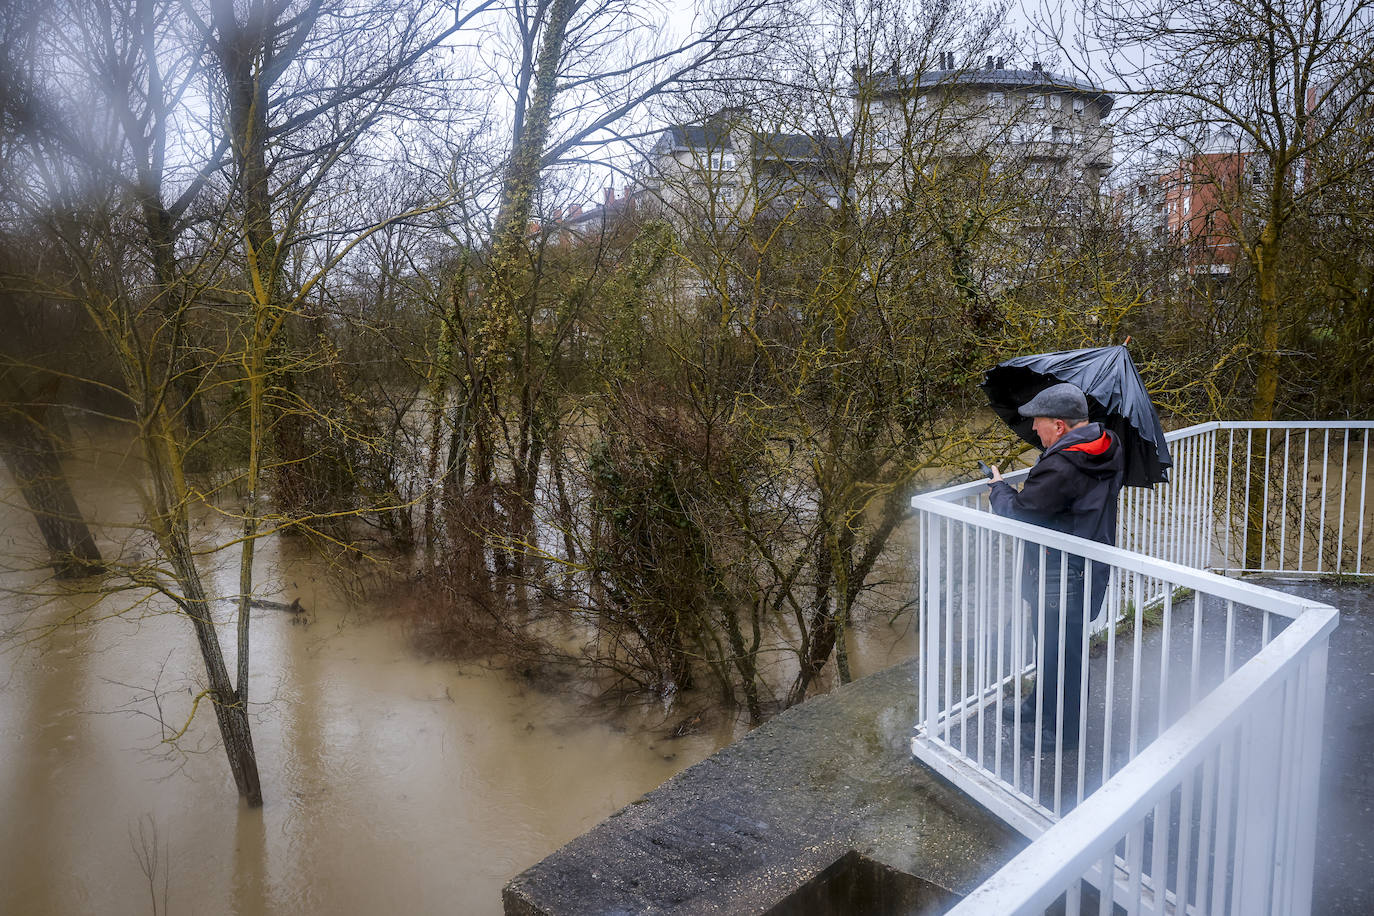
{"x":745,"y":830}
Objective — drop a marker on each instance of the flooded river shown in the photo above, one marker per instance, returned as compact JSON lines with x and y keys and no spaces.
{"x":394,"y":783}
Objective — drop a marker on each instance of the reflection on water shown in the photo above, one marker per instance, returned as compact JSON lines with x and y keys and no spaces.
{"x":393,"y":783}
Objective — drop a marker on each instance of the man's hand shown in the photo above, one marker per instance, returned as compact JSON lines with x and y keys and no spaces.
{"x":996,"y":474}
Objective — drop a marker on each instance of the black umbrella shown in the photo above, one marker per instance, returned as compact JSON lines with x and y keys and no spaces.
{"x":1116,"y":398}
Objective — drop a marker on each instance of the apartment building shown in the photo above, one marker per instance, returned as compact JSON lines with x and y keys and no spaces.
{"x":1139,"y":202}
{"x":1201,"y":197}
{"x":1042,"y":126}
{"x":1046,"y":127}
{"x":1044,"y":136}
{"x":726,"y":170}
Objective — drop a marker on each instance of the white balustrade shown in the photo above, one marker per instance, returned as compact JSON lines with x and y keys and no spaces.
{"x":1194,"y":776}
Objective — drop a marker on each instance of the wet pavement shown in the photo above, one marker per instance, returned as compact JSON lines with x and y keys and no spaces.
{"x":1344,"y":883}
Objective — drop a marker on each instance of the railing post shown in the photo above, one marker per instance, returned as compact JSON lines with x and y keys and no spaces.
{"x":930,"y":581}
{"x":1364,"y":491}
{"x":1345,"y":480}
{"x":1312,"y":705}
{"x":1257,"y":812}
{"x":922,"y":612}
{"x":1302,"y":506}
{"x":1209,"y":516}
{"x":1283,"y":503}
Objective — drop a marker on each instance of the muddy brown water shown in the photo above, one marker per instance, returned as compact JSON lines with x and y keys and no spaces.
{"x":394,"y":783}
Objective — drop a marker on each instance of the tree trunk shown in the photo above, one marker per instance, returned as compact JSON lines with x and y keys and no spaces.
{"x":171,"y":528}
{"x":503,"y":288}
{"x":842,"y":556}
{"x":247,"y":64}
{"x":1270,"y":307}
{"x":1266,"y":375}
{"x":231,"y":706}
{"x":746,"y":664}
{"x":819,"y":640}
{"x":32,"y":457}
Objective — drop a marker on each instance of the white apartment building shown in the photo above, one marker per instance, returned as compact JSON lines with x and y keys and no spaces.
{"x":727,"y":170}
{"x":1047,"y":130}
{"x":1042,"y":125}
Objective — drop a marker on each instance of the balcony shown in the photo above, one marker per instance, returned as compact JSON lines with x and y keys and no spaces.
{"x":1193,"y":787}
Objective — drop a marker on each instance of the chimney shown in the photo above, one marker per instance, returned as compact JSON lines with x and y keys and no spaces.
{"x":860,"y":73}
{"x":1036,"y":66}
{"x":991,"y":61}
{"x":608,"y":196}
{"x":1001,"y":63}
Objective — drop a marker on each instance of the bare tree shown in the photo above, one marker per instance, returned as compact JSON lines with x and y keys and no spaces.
{"x":190,"y":270}
{"x":1287,"y":78}
{"x":576,"y":70}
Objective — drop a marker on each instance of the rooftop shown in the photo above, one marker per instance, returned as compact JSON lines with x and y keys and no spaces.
{"x":986,"y":77}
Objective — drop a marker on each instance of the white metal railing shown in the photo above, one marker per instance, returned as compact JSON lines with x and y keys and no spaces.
{"x":1272,"y":497}
{"x":1170,"y":645}
{"x":1219,"y":813}
{"x":1295,"y":498}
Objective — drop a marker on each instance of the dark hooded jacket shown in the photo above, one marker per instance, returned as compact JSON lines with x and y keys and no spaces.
{"x":1072,"y":488}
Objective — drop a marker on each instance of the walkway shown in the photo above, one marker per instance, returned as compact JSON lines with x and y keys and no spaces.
{"x":1344,"y":884}
{"x":742,"y":830}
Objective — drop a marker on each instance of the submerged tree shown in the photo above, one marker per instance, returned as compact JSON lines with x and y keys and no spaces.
{"x":191,"y":262}
{"x":801,"y":359}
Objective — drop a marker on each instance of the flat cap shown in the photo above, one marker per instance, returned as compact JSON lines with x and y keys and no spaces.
{"x":1064,"y":401}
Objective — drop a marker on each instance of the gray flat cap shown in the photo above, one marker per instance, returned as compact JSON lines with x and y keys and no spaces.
{"x":1064,"y":401}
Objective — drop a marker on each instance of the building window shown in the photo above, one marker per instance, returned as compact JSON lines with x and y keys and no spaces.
{"x":996,"y":98}
{"x":717,"y":161}
{"x":1056,"y":102}
{"x":1037,"y":101}
{"x":727,"y":194}
{"x":1061,"y":135}
{"x":1079,"y":105}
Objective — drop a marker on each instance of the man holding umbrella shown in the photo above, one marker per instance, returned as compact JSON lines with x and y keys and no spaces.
{"x":1072,"y":488}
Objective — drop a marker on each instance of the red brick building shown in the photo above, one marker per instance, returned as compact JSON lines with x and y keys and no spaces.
{"x":1204,"y":206}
